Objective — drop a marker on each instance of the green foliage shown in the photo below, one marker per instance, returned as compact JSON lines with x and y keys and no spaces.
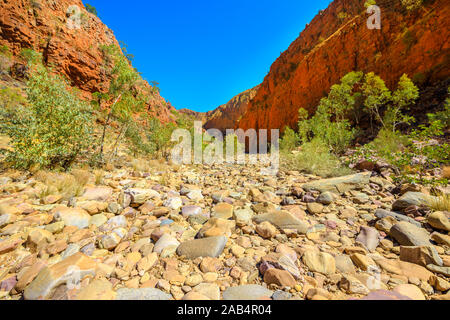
{"x":91,"y":9}
{"x":315,"y":158}
{"x":30,"y":56}
{"x":342,"y":15}
{"x":159,"y":137}
{"x":378,"y":97}
{"x":369,"y":3}
{"x":136,"y":143}
{"x":11,"y":98}
{"x":127,"y":85}
{"x":330,"y":124}
{"x":411,"y":155}
{"x":444,"y":115}
{"x":127,"y":93}
{"x":290,"y":140}
{"x":52,"y":130}
{"x":389,"y":143}
{"x":4,"y":51}
{"x":405,"y":95}
{"x":409,"y":39}
{"x":412,"y":4}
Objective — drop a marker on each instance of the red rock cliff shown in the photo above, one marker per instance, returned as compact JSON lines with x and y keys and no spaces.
{"x":225,"y":116}
{"x":338,"y":41}
{"x":44,"y":25}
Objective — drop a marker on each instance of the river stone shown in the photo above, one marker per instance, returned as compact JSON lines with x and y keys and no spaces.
{"x":165,"y":241}
{"x":281,"y":261}
{"x":140,"y":196}
{"x":385,"y":295}
{"x":100,"y":289}
{"x":76,"y":217}
{"x":243,"y":216}
{"x":321,"y":262}
{"x":216,"y":227}
{"x":210,"y":290}
{"x":283,"y":220}
{"x":339,"y":185}
{"x":69,"y":271}
{"x":403,"y":268}
{"x":279,"y":277}
{"x":222,"y":210}
{"x":247,"y":292}
{"x":410,"y":290}
{"x":380,"y":214}
{"x":97,"y":193}
{"x":344,"y":264}
{"x":326,"y":198}
{"x":117,"y":222}
{"x":369,"y":237}
{"x":441,"y":238}
{"x":173,"y":203}
{"x":438,"y":269}
{"x":423,"y":255}
{"x":439,"y":220}
{"x":207,"y":247}
{"x":142,"y":294}
{"x":188,"y":211}
{"x":408,"y":234}
{"x":98,"y":220}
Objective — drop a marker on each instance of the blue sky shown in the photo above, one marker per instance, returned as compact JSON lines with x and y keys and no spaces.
{"x":205,"y":52}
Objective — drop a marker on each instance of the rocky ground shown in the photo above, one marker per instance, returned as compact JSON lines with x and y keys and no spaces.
{"x":222,"y":232}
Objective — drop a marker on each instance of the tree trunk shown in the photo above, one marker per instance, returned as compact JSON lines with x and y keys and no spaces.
{"x":122,"y":130}
{"x":102,"y":141}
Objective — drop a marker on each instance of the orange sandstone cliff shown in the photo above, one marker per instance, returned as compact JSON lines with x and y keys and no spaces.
{"x":338,"y":41}
{"x":225,"y":116}
{"x":45,"y":26}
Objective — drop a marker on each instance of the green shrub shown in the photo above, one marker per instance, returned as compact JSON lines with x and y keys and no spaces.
{"x":411,"y":155}
{"x":315,"y":158}
{"x":388,"y":143}
{"x":330,"y":123}
{"x":289,"y":141}
{"x":91,"y":9}
{"x":136,"y":144}
{"x":52,"y":130}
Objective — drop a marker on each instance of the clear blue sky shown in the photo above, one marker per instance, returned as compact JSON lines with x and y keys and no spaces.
{"x":205,"y":52}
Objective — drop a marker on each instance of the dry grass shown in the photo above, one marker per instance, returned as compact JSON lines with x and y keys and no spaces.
{"x":439,"y":203}
{"x":110,"y":167}
{"x":446,"y":173}
{"x":4,"y":143}
{"x":315,"y":159}
{"x":165,"y":179}
{"x":140,"y":165}
{"x":99,"y":176}
{"x":67,"y":185}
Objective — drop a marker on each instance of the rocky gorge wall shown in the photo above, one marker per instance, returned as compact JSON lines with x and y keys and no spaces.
{"x":338,"y":41}
{"x":47,"y":27}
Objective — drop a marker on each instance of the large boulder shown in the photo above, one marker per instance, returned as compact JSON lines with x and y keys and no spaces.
{"x":207,"y":247}
{"x":283,"y":220}
{"x":339,"y":185}
{"x":408,"y":234}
